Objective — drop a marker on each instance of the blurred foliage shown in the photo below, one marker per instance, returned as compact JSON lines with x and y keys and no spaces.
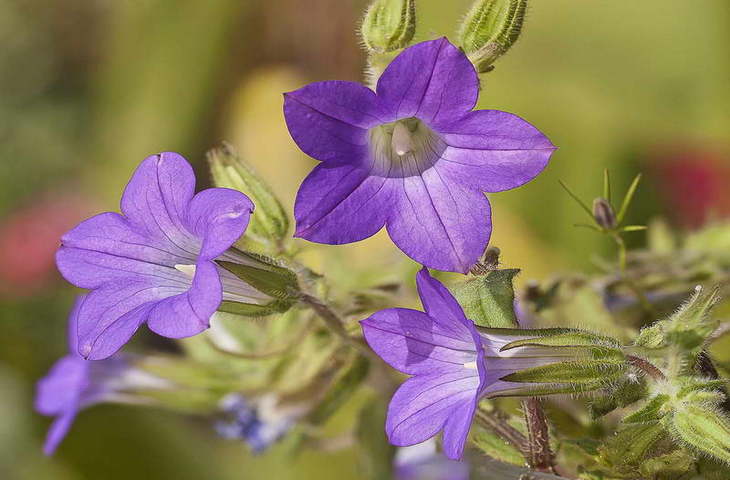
{"x":92,"y":87}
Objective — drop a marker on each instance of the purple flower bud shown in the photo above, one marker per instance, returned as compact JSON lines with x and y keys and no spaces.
{"x":603,"y":214}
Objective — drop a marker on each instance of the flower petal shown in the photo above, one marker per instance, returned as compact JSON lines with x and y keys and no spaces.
{"x":493,"y":151}
{"x":106,"y":248}
{"x":432,"y":80}
{"x":442,"y":307}
{"x":218,"y":216}
{"x":440,"y":224}
{"x":58,"y":430}
{"x":330,"y":120}
{"x":456,"y":428}
{"x":411,"y":342}
{"x":156,"y":200}
{"x":423,"y":404}
{"x":111,"y":314}
{"x":61,"y":388}
{"x":341,"y":204}
{"x":189,"y":313}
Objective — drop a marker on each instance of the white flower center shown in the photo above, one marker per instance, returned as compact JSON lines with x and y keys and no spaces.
{"x":188,"y":270}
{"x":404,"y":148}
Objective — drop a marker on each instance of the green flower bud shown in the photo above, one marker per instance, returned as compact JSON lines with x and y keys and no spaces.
{"x":489,"y":29}
{"x":702,"y":429}
{"x":269,"y":225}
{"x":389,"y":25}
{"x":631,"y":445}
{"x":603,"y":214}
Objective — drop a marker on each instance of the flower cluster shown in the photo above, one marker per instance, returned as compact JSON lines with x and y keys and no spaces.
{"x":412,"y":156}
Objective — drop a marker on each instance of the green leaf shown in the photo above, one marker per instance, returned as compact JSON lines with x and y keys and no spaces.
{"x":254,"y":310}
{"x":488,"y":300}
{"x":496,"y":447}
{"x":627,"y":199}
{"x":607,"y":185}
{"x":575,"y":197}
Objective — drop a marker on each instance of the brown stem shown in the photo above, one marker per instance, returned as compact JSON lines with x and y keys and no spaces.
{"x":335,"y":324}
{"x":646,"y":367}
{"x":540,"y":457}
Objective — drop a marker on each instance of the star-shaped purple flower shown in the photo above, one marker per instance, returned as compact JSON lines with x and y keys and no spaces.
{"x":154,"y":263}
{"x":74,"y":384}
{"x":453,"y":365}
{"x":412,"y":156}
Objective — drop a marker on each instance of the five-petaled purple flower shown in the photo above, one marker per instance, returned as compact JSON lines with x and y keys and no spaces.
{"x":412,"y":156}
{"x":154,"y":263}
{"x":453,"y":365}
{"x":74,"y":383}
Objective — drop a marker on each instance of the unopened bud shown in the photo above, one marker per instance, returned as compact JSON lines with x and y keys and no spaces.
{"x":603,"y":214}
{"x":270,"y":224}
{"x":389,"y":25}
{"x":489,"y":30}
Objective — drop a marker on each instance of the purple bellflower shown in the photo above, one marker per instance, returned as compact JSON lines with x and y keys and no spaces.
{"x":154,"y":263}
{"x":453,"y":365}
{"x":74,"y":383}
{"x":412,"y":156}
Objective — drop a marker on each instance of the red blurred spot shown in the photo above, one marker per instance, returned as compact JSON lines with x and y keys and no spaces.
{"x":694,"y":184}
{"x":29,"y":237}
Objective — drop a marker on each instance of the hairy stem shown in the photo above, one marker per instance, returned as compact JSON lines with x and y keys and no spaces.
{"x":498,"y":424}
{"x":336,"y":324}
{"x":540,"y":457}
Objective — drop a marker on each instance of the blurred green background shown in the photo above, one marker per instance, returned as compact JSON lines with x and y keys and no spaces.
{"x":88,"y":88}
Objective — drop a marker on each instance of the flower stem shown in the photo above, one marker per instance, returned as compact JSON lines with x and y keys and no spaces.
{"x":498,"y":424}
{"x":646,"y":367}
{"x":336,"y":324}
{"x":540,"y":457}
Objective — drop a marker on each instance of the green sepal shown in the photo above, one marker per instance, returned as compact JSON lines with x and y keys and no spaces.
{"x":488,"y":300}
{"x":254,"y":310}
{"x":389,"y":25}
{"x":631,"y":444}
{"x":269,"y":221}
{"x":575,"y":338}
{"x":545,"y":389}
{"x":702,"y":429}
{"x":267,"y":276}
{"x":671,"y":465}
{"x":343,"y":387}
{"x":625,"y":392}
{"x":573,"y":372}
{"x":489,"y":29}
{"x":652,"y":411}
{"x":492,"y":445}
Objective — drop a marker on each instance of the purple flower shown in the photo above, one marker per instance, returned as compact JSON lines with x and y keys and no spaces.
{"x":154,"y":262}
{"x":259,"y":422}
{"x":73,"y":384}
{"x":412,"y":156}
{"x":453,"y":365}
{"x":423,"y":462}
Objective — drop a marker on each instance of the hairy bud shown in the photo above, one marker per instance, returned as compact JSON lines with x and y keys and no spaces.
{"x":489,"y":30}
{"x":389,"y":25}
